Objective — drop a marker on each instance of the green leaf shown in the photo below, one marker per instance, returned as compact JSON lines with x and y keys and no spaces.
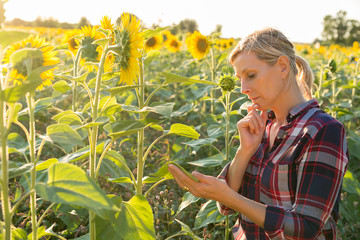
{"x":103,"y":42}
{"x":148,"y":33}
{"x":124,"y":128}
{"x":208,"y":213}
{"x":42,"y":232}
{"x":185,"y":230}
{"x":135,"y":220}
{"x":173,"y":78}
{"x":64,"y":135}
{"x":183,"y":130}
{"x":151,"y":55}
{"x":200,"y":142}
{"x":351,"y":184}
{"x":183,"y":110}
{"x":15,"y":93}
{"x":42,"y":104}
{"x":120,"y":180}
{"x":15,"y":170}
{"x":69,"y":184}
{"x":23,"y":55}
{"x":16,"y":109}
{"x":61,"y":86}
{"x":211,"y":161}
{"x":164,"y":109}
{"x":46,"y":164}
{"x":187,"y":199}
{"x":81,"y":78}
{"x":18,"y":234}
{"x":81,"y":154}
{"x":157,"y":127}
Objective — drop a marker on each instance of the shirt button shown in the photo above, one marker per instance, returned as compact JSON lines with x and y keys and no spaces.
{"x":255,"y":182}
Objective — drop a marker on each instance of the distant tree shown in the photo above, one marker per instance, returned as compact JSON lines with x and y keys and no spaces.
{"x":83,"y":22}
{"x":340,"y":30}
{"x":185,"y":26}
{"x":2,"y":12}
{"x":218,"y":28}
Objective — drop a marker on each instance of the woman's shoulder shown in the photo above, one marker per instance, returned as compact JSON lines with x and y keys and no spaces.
{"x":322,"y":121}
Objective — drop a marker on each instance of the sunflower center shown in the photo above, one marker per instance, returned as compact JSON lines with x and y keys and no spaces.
{"x":174,"y":43}
{"x":73,"y":44}
{"x":202,"y":45}
{"x":151,"y":42}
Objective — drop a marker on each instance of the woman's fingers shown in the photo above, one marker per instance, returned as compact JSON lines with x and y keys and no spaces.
{"x":181,"y":178}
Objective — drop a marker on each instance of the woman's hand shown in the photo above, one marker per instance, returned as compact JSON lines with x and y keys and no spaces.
{"x":251,"y":129}
{"x":209,"y":187}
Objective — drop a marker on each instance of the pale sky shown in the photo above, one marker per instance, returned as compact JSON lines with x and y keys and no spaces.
{"x":300,"y":21}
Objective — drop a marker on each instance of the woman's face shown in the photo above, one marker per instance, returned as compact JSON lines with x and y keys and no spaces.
{"x":262,"y":83}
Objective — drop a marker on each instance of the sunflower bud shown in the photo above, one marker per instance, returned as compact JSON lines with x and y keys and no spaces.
{"x":227,"y":83}
{"x":332,"y":66}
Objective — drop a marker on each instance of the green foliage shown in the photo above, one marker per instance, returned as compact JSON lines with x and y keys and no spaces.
{"x":340,"y":30}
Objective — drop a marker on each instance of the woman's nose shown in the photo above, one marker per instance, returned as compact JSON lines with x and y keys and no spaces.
{"x":244,"y":88}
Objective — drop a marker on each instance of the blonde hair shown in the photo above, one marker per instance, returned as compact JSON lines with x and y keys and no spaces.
{"x":268,"y":45}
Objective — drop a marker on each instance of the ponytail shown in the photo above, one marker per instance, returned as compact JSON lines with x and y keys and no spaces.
{"x":304,"y":77}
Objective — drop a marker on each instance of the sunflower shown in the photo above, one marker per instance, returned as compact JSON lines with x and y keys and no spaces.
{"x":153,"y":43}
{"x":46,"y":57}
{"x":90,"y":51}
{"x":166,"y":34}
{"x":172,"y":43}
{"x":129,"y":40}
{"x":198,"y":45}
{"x":70,"y":38}
{"x":106,"y":23}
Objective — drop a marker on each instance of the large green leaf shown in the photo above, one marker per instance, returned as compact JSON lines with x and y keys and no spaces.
{"x":187,"y":199}
{"x":124,"y":128}
{"x":16,"y":169}
{"x":212,"y":161}
{"x":81,"y":154}
{"x":15,"y":93}
{"x":208,"y":213}
{"x":200,"y":142}
{"x":173,"y":78}
{"x":148,"y":33}
{"x":64,"y":135}
{"x":183,"y":130}
{"x":150,"y":56}
{"x":69,"y":184}
{"x":134,"y":221}
{"x":61,"y":86}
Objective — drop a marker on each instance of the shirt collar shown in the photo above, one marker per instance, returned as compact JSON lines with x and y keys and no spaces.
{"x":297,"y":110}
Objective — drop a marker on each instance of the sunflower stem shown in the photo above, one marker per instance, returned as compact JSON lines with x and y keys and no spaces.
{"x":6,"y":229}
{"x":213,"y":73}
{"x":75,"y":74}
{"x":140,"y":140}
{"x":94,"y":135}
{"x":31,"y":105}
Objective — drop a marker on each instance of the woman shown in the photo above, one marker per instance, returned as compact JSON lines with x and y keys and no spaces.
{"x":285,"y":179}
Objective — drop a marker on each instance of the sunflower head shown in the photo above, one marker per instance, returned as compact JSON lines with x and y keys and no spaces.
{"x":198,"y":45}
{"x":227,"y":82}
{"x":70,"y":38}
{"x":27,"y":55}
{"x":129,"y":40}
{"x":90,"y":51}
{"x":173,"y":44}
{"x":106,"y":23}
{"x":154,"y":43}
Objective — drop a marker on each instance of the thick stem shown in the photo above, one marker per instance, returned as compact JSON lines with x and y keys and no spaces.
{"x":227,"y":229}
{"x":75,"y":74}
{"x":213,"y":73}
{"x":31,"y":140}
{"x":94,"y":134}
{"x":140,"y":140}
{"x":227,"y":140}
{"x":5,"y":201}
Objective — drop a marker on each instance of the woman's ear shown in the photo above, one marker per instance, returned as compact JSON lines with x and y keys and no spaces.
{"x":284,"y":65}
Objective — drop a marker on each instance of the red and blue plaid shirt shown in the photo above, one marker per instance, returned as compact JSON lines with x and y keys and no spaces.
{"x":299,"y":179}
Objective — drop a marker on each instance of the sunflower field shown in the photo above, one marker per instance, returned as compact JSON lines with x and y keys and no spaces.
{"x":90,"y":117}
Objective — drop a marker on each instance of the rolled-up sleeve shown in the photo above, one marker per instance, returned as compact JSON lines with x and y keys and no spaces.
{"x":320,"y":174}
{"x":221,"y":207}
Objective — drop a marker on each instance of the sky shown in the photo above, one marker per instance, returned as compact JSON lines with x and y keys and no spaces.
{"x":301,"y":20}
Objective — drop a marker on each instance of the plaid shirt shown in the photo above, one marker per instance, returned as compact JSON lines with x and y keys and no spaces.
{"x":299,"y":179}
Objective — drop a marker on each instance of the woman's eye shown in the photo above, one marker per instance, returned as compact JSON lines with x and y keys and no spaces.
{"x":251,"y":76}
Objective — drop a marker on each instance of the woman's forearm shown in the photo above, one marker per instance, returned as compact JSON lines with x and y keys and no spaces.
{"x":237,"y":169}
